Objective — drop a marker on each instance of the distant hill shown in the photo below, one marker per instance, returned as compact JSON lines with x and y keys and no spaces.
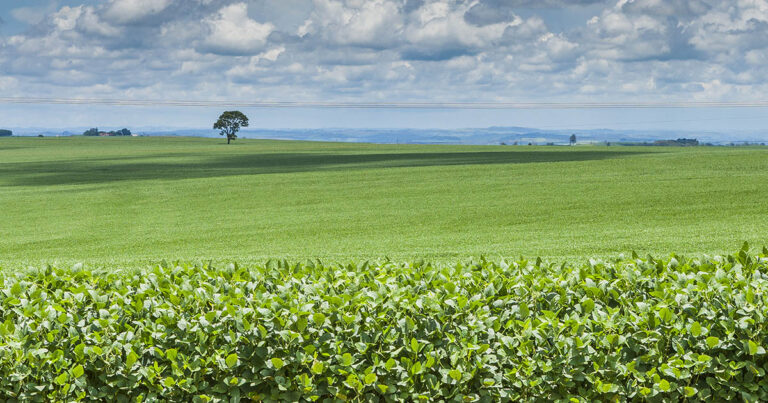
{"x":490,"y":135}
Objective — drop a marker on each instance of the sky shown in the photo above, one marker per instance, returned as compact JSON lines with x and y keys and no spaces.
{"x":623,"y":51}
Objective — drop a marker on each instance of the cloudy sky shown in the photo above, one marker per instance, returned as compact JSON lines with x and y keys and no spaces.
{"x":386,"y":51}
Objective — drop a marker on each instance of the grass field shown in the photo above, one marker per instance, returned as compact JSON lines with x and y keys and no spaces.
{"x":131,"y":201}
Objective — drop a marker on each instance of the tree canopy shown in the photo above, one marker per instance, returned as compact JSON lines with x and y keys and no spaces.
{"x":122,"y":132}
{"x":230,"y":123}
{"x":5,"y":133}
{"x":95,"y":132}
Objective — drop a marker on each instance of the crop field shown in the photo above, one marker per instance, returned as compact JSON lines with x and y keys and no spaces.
{"x":637,"y":329}
{"x":134,"y":201}
{"x":183,"y":269}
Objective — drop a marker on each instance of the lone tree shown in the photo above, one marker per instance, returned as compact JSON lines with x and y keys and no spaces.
{"x":573,"y":139}
{"x":230,"y":123}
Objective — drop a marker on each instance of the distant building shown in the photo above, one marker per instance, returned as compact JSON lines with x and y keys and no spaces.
{"x":104,"y":134}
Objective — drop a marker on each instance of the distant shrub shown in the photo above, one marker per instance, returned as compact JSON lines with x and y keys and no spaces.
{"x":5,"y":133}
{"x":635,"y":329}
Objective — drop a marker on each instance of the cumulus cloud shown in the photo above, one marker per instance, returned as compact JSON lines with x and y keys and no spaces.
{"x":128,"y":11}
{"x":233,"y":32}
{"x":372,"y":23}
{"x":416,"y":29}
{"x":439,"y":31}
{"x":467,"y":50}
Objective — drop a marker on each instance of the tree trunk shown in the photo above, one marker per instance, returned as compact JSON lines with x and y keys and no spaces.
{"x":228,"y":139}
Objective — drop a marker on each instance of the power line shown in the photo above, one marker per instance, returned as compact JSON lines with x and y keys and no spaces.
{"x":384,"y":105}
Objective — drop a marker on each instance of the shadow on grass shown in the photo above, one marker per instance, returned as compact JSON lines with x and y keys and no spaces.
{"x":187,"y":166}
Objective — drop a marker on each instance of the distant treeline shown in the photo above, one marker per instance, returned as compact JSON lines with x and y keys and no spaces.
{"x":665,"y":143}
{"x":95,"y":132}
{"x":5,"y":133}
{"x":678,"y":142}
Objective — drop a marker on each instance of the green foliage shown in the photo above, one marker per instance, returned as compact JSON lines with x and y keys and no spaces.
{"x":230,"y":123}
{"x":625,"y":330}
{"x":95,"y":132}
{"x":5,"y":133}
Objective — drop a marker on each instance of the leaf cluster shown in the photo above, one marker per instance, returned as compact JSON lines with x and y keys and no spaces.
{"x":633,"y":329}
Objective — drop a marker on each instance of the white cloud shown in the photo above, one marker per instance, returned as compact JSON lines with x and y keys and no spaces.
{"x":256,"y":64}
{"x":394,"y":49}
{"x":729,"y":29}
{"x":66,"y":18}
{"x":232,"y":31}
{"x":442,"y":26}
{"x":372,"y":23}
{"x":128,"y":11}
{"x":91,"y":23}
{"x":440,"y":30}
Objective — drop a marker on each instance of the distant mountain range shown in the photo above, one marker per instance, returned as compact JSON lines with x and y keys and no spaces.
{"x":489,"y":135}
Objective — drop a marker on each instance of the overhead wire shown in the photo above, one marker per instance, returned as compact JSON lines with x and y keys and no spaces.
{"x":382,"y":105}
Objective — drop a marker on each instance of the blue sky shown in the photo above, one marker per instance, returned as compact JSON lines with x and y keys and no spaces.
{"x":387,"y":51}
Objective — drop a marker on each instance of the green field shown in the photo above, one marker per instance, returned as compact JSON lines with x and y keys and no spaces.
{"x":132,"y":201}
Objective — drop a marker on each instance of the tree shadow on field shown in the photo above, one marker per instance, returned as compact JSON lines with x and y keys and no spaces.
{"x":189,"y":166}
